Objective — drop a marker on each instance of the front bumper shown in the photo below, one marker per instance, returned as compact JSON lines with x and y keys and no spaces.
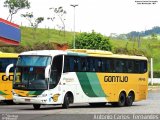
{"x":33,"y":100}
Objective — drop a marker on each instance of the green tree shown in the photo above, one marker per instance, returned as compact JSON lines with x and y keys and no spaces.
{"x":92,"y":41}
{"x":14,"y":6}
{"x":153,"y":36}
{"x":34,"y":22}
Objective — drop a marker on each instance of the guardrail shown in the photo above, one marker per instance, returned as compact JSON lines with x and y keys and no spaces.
{"x":155,"y":80}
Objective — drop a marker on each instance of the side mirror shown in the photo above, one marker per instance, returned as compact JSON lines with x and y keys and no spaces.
{"x":8,"y":69}
{"x":47,"y":71}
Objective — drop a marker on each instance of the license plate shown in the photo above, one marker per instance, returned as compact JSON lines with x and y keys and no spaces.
{"x":27,"y":100}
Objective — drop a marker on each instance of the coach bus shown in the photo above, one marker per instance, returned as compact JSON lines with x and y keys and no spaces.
{"x":79,"y":76}
{"x":6,"y":82}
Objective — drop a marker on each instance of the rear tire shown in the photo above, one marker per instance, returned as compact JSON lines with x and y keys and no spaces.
{"x":121,"y":101}
{"x":129,"y":99}
{"x":114,"y":104}
{"x":36,"y":106}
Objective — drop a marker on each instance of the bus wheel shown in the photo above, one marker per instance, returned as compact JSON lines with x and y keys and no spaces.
{"x":129,"y":99}
{"x":114,"y":104}
{"x":66,"y":101}
{"x":9,"y":102}
{"x":97,"y":104}
{"x":122,"y":100}
{"x":36,"y":106}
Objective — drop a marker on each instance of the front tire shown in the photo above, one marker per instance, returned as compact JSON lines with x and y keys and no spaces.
{"x":9,"y":102}
{"x":36,"y":106}
{"x":66,"y":101}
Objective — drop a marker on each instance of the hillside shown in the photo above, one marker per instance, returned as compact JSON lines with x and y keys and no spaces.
{"x":147,"y":46}
{"x":152,"y":31}
{"x":30,"y":37}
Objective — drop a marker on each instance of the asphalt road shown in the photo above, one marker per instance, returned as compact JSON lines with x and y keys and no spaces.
{"x":80,"y":111}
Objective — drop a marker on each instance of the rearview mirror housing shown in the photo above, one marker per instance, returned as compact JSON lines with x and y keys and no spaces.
{"x":47,"y":71}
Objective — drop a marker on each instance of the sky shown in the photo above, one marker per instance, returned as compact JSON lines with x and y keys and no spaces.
{"x":102,"y":16}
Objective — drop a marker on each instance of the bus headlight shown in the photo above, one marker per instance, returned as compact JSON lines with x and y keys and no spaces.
{"x":42,"y":95}
{"x":13,"y":93}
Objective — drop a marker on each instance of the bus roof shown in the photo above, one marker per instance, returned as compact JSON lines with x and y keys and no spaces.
{"x":108,"y":54}
{"x":44,"y":52}
{"x":83,"y":52}
{"x":8,"y":55}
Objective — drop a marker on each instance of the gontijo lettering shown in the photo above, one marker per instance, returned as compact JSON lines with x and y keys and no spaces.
{"x":5,"y":78}
{"x":115,"y":78}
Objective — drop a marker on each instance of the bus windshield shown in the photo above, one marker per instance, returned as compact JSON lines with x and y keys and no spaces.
{"x":34,"y":61}
{"x":30,"y":73}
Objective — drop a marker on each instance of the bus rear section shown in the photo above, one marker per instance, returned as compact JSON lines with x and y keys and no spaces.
{"x":116,"y":79}
{"x":6,"y":82}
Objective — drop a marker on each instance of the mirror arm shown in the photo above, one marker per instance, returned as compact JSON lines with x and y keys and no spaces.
{"x":8,"y":69}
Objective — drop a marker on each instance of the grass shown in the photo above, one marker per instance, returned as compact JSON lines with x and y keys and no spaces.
{"x":154,"y":84}
{"x":30,"y":37}
{"x":149,"y":46}
{"x":149,"y":37}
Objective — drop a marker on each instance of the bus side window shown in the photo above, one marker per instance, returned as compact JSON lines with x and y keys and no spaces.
{"x":103,"y":65}
{"x":107,"y":65}
{"x":91,"y":67}
{"x":143,"y":67}
{"x":79,"y":64}
{"x":71,"y":62}
{"x":87,"y":64}
{"x":76,"y":62}
{"x":95,"y":64}
{"x":112,"y":66}
{"x":56,"y":70}
{"x":136,"y":66}
{"x":13,"y":61}
{"x":83,"y":64}
{"x":66,"y":64}
{"x":130,"y":66}
{"x":124,"y":66}
{"x":98,"y":65}
{"x":0,"y":66}
{"x":118,"y":68}
{"x":4,"y":62}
